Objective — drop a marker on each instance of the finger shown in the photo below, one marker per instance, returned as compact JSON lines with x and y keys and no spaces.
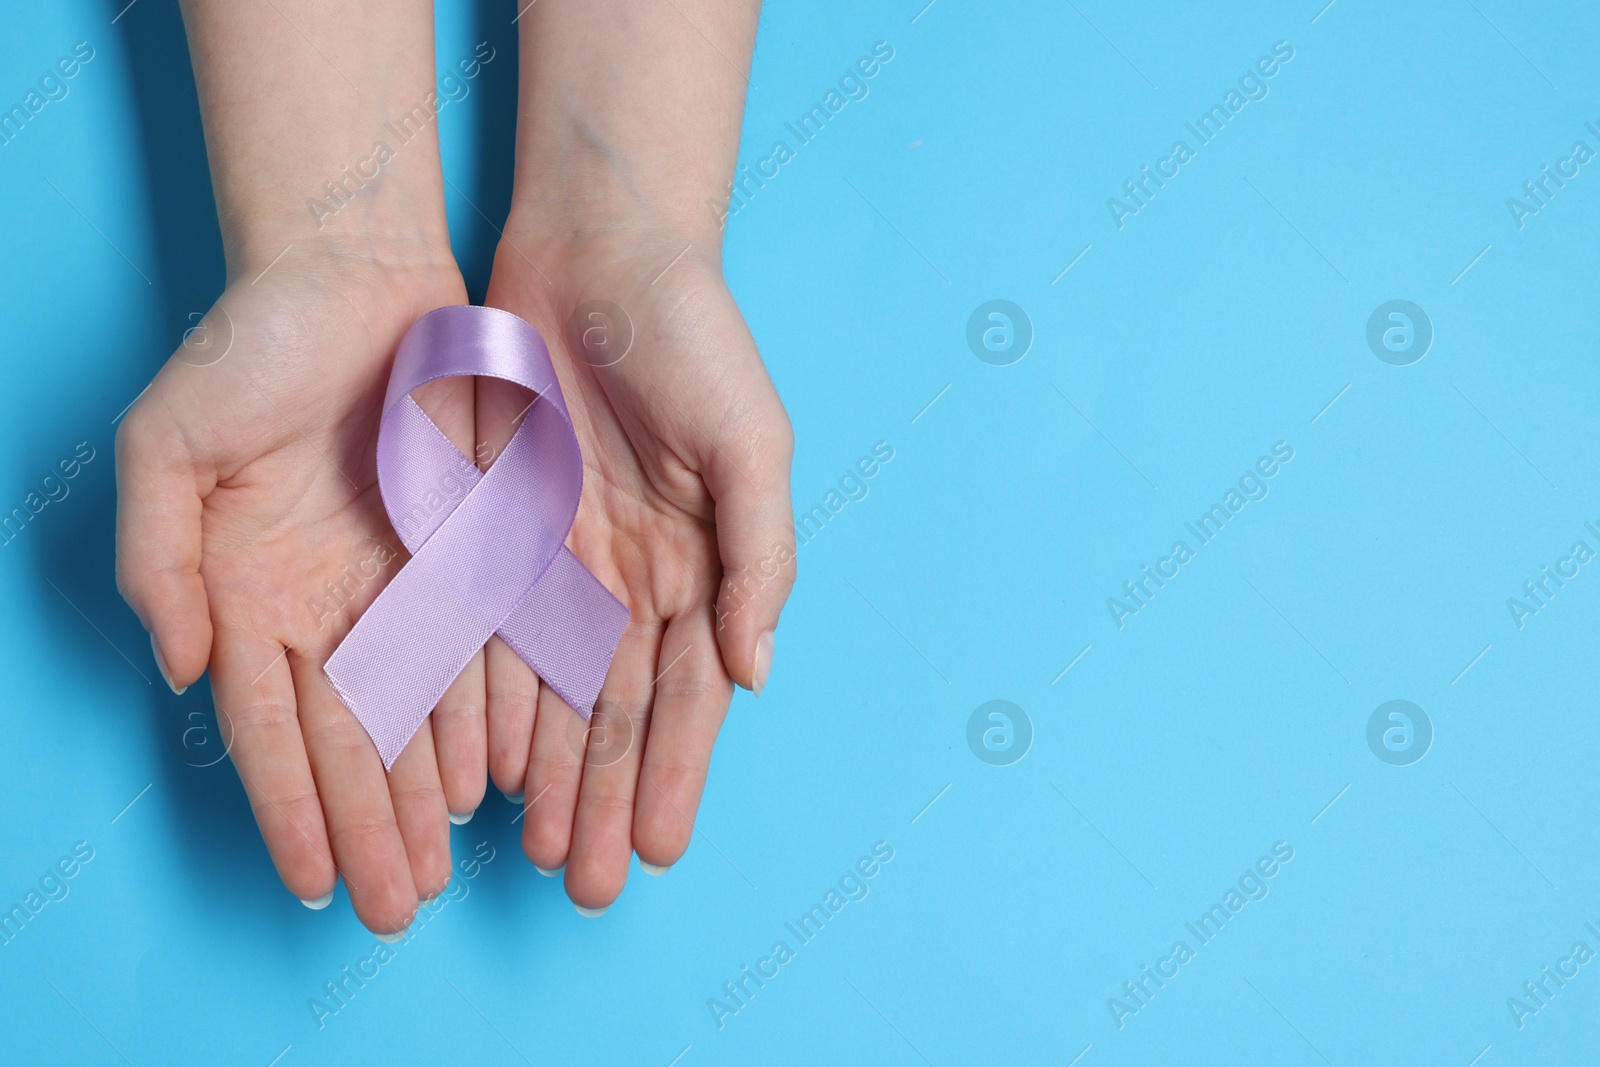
{"x":457,"y":732}
{"x":422,"y":815}
{"x":513,"y":689}
{"x":458,"y":736}
{"x":355,"y":801}
{"x":555,"y":770}
{"x":602,"y":826}
{"x":755,"y":536}
{"x":158,"y":544}
{"x":691,"y":700}
{"x":513,"y":696}
{"x":254,"y":696}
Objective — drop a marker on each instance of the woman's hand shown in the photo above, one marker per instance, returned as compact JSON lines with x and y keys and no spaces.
{"x":685,"y":516}
{"x":627,"y":128}
{"x":250,"y":536}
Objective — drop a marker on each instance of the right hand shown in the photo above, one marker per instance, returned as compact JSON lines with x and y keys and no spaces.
{"x":251,"y":536}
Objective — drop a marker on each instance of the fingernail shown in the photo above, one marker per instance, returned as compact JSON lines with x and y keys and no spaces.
{"x":161,"y":665}
{"x":651,"y":868}
{"x":763,"y":662}
{"x":462,"y":820}
{"x":389,"y":939}
{"x":320,"y":903}
{"x":550,"y":873}
{"x":514,"y":798}
{"x":591,"y":913}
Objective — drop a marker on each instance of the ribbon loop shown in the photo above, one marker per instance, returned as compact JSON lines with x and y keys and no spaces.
{"x":488,"y":553}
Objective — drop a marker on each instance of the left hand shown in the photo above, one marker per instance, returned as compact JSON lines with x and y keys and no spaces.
{"x":685,"y":516}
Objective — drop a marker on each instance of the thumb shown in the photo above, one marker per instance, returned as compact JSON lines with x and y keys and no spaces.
{"x":755,"y":538}
{"x":158,"y":546}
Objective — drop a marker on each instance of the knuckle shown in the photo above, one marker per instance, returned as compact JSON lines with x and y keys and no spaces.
{"x":513,"y":686}
{"x":367,"y":836}
{"x":678,"y":777}
{"x":422,"y":796}
{"x":553,"y":768}
{"x":339,"y":735}
{"x":260,"y":718}
{"x":295,"y":803}
{"x":293,"y":819}
{"x":689,"y":687}
{"x":512,"y":700}
{"x":606,"y":806}
{"x":459,"y":711}
{"x":634,"y":708}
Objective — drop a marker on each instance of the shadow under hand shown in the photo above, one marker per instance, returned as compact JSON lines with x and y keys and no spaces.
{"x":480,"y":200}
{"x":198,"y":793}
{"x":183,"y":212}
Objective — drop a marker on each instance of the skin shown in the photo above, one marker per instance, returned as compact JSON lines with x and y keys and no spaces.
{"x":246,"y":477}
{"x":246,"y":474}
{"x":628,"y":128}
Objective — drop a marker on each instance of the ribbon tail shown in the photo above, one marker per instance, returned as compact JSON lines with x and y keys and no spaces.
{"x":395,"y":664}
{"x":567,"y":629}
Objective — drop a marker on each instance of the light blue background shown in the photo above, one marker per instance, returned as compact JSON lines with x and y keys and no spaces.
{"x":1223,"y":718}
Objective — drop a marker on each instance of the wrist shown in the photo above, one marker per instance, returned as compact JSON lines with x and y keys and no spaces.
{"x":389,"y":216}
{"x":587,"y":210}
{"x":599,"y":212}
{"x":587,"y":247}
{"x":257,"y":246}
{"x":333,"y":145}
{"x":629,"y":117}
{"x":371,"y":286}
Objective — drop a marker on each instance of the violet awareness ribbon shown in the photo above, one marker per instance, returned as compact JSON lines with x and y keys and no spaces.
{"x":487,"y":553}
